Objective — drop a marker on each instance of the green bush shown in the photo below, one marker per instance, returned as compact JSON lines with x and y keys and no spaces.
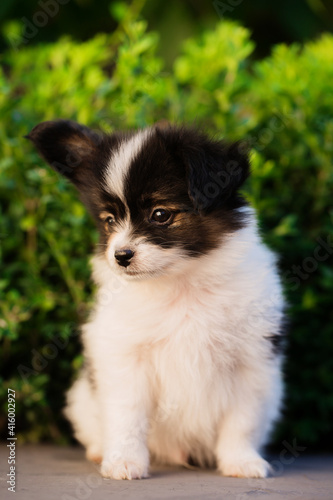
{"x":281,"y":105}
{"x":292,"y":102}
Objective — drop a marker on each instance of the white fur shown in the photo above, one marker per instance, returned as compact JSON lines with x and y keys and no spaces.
{"x":121,"y":160}
{"x":181,"y":362}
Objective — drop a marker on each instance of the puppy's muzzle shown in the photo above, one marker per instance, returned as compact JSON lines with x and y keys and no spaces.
{"x":123,"y":257}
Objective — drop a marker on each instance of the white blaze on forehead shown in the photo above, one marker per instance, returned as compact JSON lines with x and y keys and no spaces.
{"x":121,"y":160}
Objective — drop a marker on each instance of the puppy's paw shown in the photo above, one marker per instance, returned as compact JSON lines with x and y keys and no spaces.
{"x":124,"y":469}
{"x":245,"y":467}
{"x":126,"y":462}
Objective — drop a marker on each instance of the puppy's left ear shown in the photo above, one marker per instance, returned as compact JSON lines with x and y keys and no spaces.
{"x":216,"y":170}
{"x":70,"y":148}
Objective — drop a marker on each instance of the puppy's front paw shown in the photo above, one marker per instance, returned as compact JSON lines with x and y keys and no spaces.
{"x":124,"y":469}
{"x":125,"y":464}
{"x":245,"y":467}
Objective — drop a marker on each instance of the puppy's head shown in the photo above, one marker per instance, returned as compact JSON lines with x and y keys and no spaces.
{"x":159,"y":196}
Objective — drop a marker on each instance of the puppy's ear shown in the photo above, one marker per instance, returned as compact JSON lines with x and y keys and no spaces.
{"x":67,"y":146}
{"x":216,"y":170}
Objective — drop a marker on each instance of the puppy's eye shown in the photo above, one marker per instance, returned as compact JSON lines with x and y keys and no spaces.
{"x":109,"y":220}
{"x":161,"y":216}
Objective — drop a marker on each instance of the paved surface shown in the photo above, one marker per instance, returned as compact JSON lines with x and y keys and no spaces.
{"x":49,"y":472}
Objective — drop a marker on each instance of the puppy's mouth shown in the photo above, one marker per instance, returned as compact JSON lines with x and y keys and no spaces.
{"x":141,"y":274}
{"x":133,"y":273}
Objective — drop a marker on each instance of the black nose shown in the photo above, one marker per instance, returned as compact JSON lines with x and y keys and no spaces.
{"x":123,"y":257}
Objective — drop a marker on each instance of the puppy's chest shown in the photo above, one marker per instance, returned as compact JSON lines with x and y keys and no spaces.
{"x":192,"y":358}
{"x":185,"y":326}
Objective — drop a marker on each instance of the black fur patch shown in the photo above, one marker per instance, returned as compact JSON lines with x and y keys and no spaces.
{"x":278,"y":340}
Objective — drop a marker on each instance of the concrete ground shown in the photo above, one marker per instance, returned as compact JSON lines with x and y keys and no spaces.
{"x":49,"y":472}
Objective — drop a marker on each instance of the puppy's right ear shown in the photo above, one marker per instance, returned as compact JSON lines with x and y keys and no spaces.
{"x":67,"y":146}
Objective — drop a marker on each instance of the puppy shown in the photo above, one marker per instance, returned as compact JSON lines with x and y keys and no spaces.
{"x":183,"y":349}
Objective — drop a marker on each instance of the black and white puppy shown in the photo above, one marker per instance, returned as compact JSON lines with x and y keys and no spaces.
{"x":183,"y":344}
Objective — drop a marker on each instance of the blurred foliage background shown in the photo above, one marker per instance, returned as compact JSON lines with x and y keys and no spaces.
{"x":231,"y":67}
